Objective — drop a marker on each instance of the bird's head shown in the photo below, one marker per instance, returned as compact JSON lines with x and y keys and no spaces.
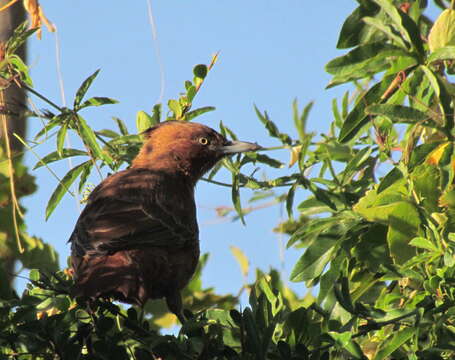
{"x":186,"y":147}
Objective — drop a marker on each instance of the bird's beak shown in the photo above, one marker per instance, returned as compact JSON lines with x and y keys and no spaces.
{"x":235,"y":146}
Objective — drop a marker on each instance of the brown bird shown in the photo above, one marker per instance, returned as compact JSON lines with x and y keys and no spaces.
{"x":137,"y":238}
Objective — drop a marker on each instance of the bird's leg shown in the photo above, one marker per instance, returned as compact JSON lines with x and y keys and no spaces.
{"x":174,"y":303}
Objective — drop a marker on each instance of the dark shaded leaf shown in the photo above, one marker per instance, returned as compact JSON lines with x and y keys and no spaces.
{"x":354,"y":30}
{"x":200,"y":71}
{"x":63,"y":187}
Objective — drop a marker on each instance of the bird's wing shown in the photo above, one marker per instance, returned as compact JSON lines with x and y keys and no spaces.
{"x":134,"y":209}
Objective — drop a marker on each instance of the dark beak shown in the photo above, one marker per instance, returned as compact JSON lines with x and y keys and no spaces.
{"x":232,"y":147}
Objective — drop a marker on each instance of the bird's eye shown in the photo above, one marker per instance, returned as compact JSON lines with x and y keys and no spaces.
{"x":203,"y":141}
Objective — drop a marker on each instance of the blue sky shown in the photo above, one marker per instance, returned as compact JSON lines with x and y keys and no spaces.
{"x":270,"y":53}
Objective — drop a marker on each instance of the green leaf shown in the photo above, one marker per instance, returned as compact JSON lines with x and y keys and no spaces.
{"x":396,"y":342}
{"x":242,"y":260}
{"x":38,"y":254}
{"x":20,"y":35}
{"x":55,"y":156}
{"x":121,"y":125}
{"x":88,"y":137}
{"x":423,"y":243}
{"x":290,"y":199}
{"x":443,"y":53}
{"x":143,"y":121}
{"x":404,"y":221}
{"x":363,"y":59}
{"x":357,"y":118}
{"x":443,"y":31}
{"x":63,"y":187}
{"x":372,"y":249}
{"x":156,"y":114}
{"x":236,"y":197}
{"x":84,"y":175}
{"x":195,"y":113}
{"x":98,"y":101}
{"x":83,"y":89}
{"x":313,"y":261}
{"x":272,"y":128}
{"x":61,"y":135}
{"x":398,"y":113}
{"x":312,"y":206}
{"x":392,"y":177}
{"x":127,"y":139}
{"x":354,"y":30}
{"x":60,"y":119}
{"x":376,"y":207}
{"x":404,"y":24}
{"x":424,"y":178}
{"x":200,"y":71}
{"x":385,"y":29}
{"x":261,"y":158}
{"x":175,"y":107}
{"x":344,"y":341}
{"x":252,"y":332}
{"x":21,"y":68}
{"x":301,"y":120}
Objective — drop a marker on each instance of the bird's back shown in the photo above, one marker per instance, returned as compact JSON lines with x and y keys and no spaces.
{"x":137,"y":237}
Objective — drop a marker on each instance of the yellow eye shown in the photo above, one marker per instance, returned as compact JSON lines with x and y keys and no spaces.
{"x":203,"y":141}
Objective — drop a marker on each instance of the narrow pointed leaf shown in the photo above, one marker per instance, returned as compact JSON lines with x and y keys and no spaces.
{"x":397,"y":113}
{"x":121,"y":126}
{"x":89,"y":139}
{"x":63,"y":187}
{"x":61,"y":135}
{"x":236,"y":197}
{"x":55,"y":156}
{"x":194,"y":113}
{"x":98,"y":101}
{"x":83,"y":89}
{"x":398,"y":340}
{"x":290,"y":200}
{"x":241,"y":259}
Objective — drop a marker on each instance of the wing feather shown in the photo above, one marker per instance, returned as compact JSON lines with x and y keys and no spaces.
{"x":129,"y":210}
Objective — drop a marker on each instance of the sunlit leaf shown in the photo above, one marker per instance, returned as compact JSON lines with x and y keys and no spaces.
{"x":55,"y":156}
{"x":443,"y":31}
{"x":97,"y":101}
{"x":190,"y":115}
{"x":242,"y":260}
{"x":83,"y":89}
{"x":89,"y":138}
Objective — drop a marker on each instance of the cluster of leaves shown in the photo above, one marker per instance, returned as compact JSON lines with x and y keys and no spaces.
{"x":379,"y":250}
{"x":47,"y":322}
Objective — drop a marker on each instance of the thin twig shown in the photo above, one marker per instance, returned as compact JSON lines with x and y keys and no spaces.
{"x":42,"y":97}
{"x":15,"y":204}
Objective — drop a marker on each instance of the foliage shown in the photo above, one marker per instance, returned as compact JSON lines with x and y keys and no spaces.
{"x":378,"y":250}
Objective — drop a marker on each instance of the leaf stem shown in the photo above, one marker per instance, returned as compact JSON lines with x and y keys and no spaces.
{"x":42,"y":97}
